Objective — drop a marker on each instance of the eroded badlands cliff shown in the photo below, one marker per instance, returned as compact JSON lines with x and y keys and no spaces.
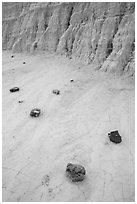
{"x":100,"y":34}
{"x":63,"y":47}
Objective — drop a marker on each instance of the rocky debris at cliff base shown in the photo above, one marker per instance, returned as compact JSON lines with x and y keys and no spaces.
{"x":75,"y":172}
{"x":115,"y":137}
{"x":35,"y":112}
{"x":57,"y":92}
{"x":14,"y":89}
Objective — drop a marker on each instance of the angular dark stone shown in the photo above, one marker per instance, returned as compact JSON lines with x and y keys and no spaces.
{"x":14,"y":89}
{"x":75,"y":172}
{"x":115,"y":137}
{"x":35,"y":112}
{"x":71,"y":80}
{"x":57,"y":92}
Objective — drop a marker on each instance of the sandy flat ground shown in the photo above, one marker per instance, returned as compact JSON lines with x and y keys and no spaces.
{"x":73,"y":127}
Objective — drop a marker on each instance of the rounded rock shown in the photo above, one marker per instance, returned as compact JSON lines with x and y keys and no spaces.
{"x":75,"y":172}
{"x":71,"y":80}
{"x":115,"y":137}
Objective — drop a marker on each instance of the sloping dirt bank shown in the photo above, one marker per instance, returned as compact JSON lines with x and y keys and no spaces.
{"x":73,"y":127}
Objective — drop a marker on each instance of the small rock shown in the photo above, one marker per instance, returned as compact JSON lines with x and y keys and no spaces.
{"x":14,"y":89}
{"x":57,"y":92}
{"x":71,"y":80}
{"x":24,"y":62}
{"x":115,"y":137}
{"x":75,"y":172}
{"x":12,"y":56}
{"x":35,"y":112}
{"x":20,"y":101}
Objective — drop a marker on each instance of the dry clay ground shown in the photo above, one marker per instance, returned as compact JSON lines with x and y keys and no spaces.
{"x":73,"y":127}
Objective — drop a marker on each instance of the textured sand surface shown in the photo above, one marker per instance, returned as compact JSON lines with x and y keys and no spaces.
{"x":73,"y":127}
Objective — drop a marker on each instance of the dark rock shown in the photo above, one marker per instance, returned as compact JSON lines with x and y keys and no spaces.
{"x":24,"y":62}
{"x":75,"y":172}
{"x":115,"y":137}
{"x":57,"y":92}
{"x":14,"y":89}
{"x":20,"y":101}
{"x":71,"y":80}
{"x":12,"y":56}
{"x":35,"y":112}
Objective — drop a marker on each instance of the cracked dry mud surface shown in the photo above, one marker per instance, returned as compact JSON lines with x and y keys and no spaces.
{"x":73,"y":127}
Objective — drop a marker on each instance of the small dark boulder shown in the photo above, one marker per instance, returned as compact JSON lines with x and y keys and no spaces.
{"x":24,"y":62}
{"x":20,"y":101}
{"x":12,"y":56}
{"x":14,"y":89}
{"x":71,"y":80}
{"x":57,"y":92}
{"x":75,"y":172}
{"x":35,"y":112}
{"x":115,"y":137}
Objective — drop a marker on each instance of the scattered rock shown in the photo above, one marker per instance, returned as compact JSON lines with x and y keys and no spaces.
{"x":12,"y":56}
{"x":14,"y":89}
{"x":75,"y":172}
{"x":57,"y":92}
{"x":115,"y":137}
{"x":35,"y":112}
{"x":20,"y":101}
{"x":71,"y":80}
{"x":24,"y":62}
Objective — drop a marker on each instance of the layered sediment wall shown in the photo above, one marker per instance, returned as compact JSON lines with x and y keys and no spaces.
{"x":100,"y":34}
